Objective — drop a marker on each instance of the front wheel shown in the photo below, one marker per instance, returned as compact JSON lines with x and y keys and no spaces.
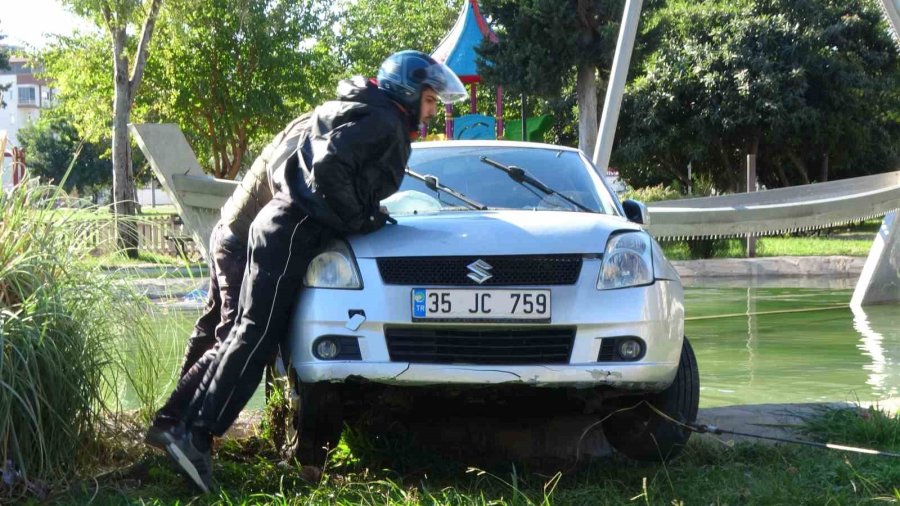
{"x":305,"y":419}
{"x":641,"y":433}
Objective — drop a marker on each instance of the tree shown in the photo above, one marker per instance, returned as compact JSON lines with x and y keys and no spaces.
{"x":4,"y":65}
{"x":544,"y":43}
{"x":116,"y":16}
{"x":371,"y":30}
{"x":78,"y":66}
{"x":50,"y":143}
{"x":788,"y":81}
{"x":232,"y":71}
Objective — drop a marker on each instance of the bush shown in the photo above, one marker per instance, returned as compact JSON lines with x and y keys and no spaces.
{"x":652,"y":194}
{"x":65,"y":332}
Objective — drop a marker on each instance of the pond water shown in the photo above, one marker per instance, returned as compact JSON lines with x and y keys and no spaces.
{"x":758,"y":344}
{"x":786,"y":341}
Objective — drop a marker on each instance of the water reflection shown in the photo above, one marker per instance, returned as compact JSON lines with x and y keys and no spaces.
{"x":767,"y":343}
{"x":884,"y":368}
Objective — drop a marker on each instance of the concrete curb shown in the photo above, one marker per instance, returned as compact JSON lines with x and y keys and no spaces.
{"x":840,"y":266}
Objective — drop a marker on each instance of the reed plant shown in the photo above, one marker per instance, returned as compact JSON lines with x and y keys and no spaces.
{"x":71,"y":339}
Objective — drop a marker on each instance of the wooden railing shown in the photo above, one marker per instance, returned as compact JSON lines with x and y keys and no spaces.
{"x":156,"y":234}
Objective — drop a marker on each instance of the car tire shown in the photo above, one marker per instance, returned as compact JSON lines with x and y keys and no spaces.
{"x":641,"y":433}
{"x":307,"y":421}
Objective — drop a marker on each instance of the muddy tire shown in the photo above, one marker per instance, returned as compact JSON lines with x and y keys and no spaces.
{"x":306,"y":422}
{"x":642,"y":434}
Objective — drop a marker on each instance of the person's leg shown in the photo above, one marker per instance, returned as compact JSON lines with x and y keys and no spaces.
{"x":229,"y":258}
{"x":202,"y":339}
{"x":282,"y":243}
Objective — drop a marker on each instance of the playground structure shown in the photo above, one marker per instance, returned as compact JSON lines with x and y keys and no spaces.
{"x":457,"y":51}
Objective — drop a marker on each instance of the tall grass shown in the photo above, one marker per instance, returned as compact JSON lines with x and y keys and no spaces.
{"x":68,"y":335}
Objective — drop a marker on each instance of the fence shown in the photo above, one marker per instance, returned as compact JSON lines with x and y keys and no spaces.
{"x":164,"y":235}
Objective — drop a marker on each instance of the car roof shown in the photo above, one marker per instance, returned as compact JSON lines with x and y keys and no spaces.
{"x":490,"y":144}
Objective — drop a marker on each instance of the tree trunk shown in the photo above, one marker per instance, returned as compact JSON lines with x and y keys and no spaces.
{"x":126,"y":87}
{"x":123,"y":180}
{"x":800,"y":165}
{"x":823,"y":172}
{"x":586,"y":89}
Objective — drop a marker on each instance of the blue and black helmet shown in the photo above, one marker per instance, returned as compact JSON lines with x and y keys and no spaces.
{"x":403,"y":75}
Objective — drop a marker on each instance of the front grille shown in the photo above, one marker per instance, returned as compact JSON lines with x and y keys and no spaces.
{"x":523,"y":270}
{"x":423,"y":345}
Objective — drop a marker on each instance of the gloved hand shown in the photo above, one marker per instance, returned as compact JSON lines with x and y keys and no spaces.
{"x":384,"y":210}
{"x":375,"y":221}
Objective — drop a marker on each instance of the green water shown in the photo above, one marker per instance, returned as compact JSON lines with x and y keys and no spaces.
{"x":758,"y":345}
{"x":755,"y":344}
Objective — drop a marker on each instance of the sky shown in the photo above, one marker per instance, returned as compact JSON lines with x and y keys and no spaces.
{"x":25,"y":22}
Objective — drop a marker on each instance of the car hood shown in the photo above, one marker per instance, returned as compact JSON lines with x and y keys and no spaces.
{"x":503,"y":232}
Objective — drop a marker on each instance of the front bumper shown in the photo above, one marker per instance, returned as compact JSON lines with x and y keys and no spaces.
{"x":655,"y":313}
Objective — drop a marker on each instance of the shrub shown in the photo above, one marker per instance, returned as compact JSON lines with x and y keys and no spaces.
{"x":65,"y":332}
{"x":653,"y":194}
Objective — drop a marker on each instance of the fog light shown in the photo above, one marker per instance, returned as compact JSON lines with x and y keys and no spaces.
{"x":327,"y":349}
{"x":630,"y":349}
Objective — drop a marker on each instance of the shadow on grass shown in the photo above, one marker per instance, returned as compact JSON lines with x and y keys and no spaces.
{"x":395,"y":468}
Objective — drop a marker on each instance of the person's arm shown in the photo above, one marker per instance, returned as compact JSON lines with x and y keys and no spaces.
{"x":338,"y":159}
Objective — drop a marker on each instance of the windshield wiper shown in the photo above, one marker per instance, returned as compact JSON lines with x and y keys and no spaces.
{"x":519,"y":175}
{"x":434,"y":185}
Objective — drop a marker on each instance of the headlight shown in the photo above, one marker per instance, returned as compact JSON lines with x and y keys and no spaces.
{"x":628,"y":261}
{"x":333,"y":268}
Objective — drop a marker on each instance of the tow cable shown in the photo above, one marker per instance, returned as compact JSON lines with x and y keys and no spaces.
{"x":701,"y":428}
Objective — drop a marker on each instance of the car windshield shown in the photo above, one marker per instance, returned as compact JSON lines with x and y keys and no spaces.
{"x":461,"y":169}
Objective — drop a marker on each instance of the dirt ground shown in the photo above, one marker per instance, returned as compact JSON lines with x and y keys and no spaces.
{"x":565,"y":437}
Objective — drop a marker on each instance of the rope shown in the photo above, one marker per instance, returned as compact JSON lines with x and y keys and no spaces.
{"x":774,"y":311}
{"x":712,"y":429}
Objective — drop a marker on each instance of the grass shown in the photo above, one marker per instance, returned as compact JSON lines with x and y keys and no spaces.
{"x":390,"y":471}
{"x":66,"y":333}
{"x":775,"y":246}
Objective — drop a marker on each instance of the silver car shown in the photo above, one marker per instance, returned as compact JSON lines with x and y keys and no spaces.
{"x":513,"y":272}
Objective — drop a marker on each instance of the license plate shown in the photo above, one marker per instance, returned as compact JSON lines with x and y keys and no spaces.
{"x":482,"y":305}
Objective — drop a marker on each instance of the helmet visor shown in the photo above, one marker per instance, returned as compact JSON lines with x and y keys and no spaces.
{"x":445,"y":83}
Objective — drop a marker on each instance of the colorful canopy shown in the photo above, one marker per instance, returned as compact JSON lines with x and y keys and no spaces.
{"x":457,"y":50}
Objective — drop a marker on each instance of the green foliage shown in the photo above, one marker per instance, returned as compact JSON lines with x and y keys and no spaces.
{"x":653,"y":194}
{"x":786,"y":246}
{"x":371,"y":30}
{"x":231,"y":73}
{"x":4,"y":65}
{"x":542,"y":42}
{"x":50,"y":142}
{"x":79,"y":67}
{"x":811,"y":87}
{"x":871,"y":427}
{"x":706,"y":473}
{"x":65,"y":332}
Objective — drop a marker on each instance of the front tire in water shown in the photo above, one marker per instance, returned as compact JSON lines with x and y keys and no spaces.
{"x":641,"y":433}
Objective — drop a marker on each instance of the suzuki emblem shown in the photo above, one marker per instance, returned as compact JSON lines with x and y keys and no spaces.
{"x":481,"y":271}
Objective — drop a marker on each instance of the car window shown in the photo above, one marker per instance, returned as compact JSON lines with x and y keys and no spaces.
{"x":460,"y":168}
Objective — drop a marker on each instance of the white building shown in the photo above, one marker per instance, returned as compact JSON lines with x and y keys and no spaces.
{"x":24,"y":99}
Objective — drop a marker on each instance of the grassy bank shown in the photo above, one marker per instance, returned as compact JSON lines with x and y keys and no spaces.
{"x":386,"y":470}
{"x":774,"y":247}
{"x":66,"y":335}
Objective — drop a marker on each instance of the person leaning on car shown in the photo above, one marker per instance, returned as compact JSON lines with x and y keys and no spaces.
{"x":228,"y":258}
{"x":352,"y":153}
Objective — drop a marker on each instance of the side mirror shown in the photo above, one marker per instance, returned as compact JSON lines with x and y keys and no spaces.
{"x":636,"y":212}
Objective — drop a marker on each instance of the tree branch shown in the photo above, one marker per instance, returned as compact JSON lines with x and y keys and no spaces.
{"x":107,"y":17}
{"x":140,"y":58}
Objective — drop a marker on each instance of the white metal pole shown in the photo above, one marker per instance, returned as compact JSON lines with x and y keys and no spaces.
{"x":616,"y":87}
